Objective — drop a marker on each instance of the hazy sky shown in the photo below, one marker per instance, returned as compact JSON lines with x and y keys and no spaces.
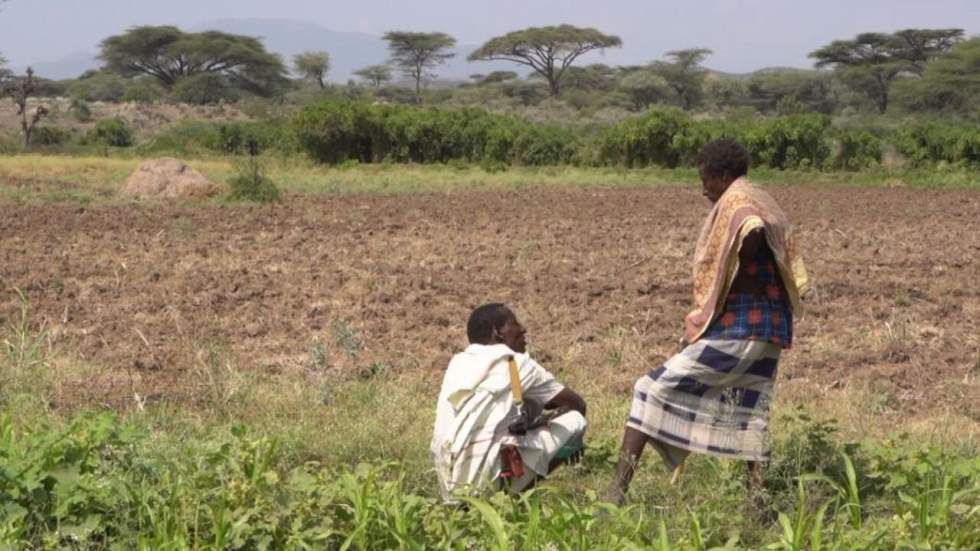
{"x":745,"y":34}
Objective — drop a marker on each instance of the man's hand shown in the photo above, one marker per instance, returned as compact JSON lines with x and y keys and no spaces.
{"x":568,"y":399}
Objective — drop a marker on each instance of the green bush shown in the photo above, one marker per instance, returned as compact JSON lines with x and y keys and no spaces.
{"x":143,"y":91}
{"x":182,"y":138}
{"x":97,"y":86}
{"x":794,"y":141}
{"x":856,"y":149}
{"x":250,"y":137}
{"x":671,"y":138}
{"x":236,"y":137}
{"x":647,"y":140}
{"x":930,"y":143}
{"x":334,"y":132}
{"x":50,"y":136}
{"x":251,"y":183}
{"x":113,"y":132}
{"x":10,"y":143}
{"x":204,"y":89}
{"x":51,"y":88}
{"x":544,"y":146}
{"x":81,"y":110}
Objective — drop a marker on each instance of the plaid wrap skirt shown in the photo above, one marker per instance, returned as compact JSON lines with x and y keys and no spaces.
{"x":713,"y":398}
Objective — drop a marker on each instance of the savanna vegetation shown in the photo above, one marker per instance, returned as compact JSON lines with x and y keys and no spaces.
{"x":315,"y":460}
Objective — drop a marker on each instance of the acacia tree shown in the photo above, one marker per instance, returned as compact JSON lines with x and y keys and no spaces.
{"x":872,"y":61}
{"x":814,"y":90}
{"x":724,"y":91}
{"x":415,"y":53}
{"x":375,"y":74}
{"x":495,"y":77}
{"x":950,"y":82}
{"x":313,"y":66}
{"x":169,"y":54}
{"x":20,"y":91}
{"x":550,"y":51}
{"x":918,"y":46}
{"x":644,"y":88}
{"x":684,"y":74}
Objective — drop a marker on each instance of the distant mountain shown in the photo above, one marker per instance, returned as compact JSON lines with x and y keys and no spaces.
{"x":763,"y":71}
{"x":349,"y":51}
{"x":69,"y":66}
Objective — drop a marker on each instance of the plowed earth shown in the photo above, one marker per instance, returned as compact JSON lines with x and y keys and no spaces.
{"x":600,"y":277}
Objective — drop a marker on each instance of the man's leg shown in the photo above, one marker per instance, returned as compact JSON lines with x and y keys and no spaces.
{"x":557,"y":443}
{"x":755,"y":476}
{"x":629,"y":456}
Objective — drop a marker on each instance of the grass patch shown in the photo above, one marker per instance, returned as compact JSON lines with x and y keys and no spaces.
{"x":98,"y":480}
{"x":46,"y":178}
{"x":312,"y":458}
{"x":315,"y":459}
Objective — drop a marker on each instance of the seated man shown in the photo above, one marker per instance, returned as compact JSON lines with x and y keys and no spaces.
{"x":476,"y":412}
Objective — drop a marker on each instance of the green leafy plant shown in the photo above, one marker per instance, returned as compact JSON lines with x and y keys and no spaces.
{"x":50,"y":136}
{"x":250,"y":182}
{"x":113,"y":132}
{"x":26,"y":348}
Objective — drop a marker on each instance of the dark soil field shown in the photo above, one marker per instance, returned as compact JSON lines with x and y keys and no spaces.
{"x":601,"y":278}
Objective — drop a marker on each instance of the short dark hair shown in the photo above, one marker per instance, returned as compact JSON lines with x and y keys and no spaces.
{"x":724,"y":158}
{"x":484,"y":319}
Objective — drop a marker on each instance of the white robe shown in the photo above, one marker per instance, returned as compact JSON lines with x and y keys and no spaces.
{"x":475,"y":408}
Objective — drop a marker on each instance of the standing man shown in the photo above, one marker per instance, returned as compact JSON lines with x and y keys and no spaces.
{"x":713,"y":396}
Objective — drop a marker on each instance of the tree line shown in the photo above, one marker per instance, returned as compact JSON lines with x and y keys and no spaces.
{"x":930,"y":69}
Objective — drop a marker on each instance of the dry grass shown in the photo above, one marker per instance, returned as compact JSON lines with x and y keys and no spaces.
{"x":146,"y":119}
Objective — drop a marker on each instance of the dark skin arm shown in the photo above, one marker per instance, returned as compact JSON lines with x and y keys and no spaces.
{"x":569,"y":400}
{"x":743,"y":282}
{"x":566,"y":400}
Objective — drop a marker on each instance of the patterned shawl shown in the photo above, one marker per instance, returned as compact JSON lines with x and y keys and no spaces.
{"x":742,"y":208}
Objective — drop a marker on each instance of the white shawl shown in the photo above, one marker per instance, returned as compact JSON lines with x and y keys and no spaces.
{"x":474,"y":402}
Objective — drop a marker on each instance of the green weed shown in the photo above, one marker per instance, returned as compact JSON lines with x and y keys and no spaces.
{"x":251,"y":183}
{"x":344,"y":335}
{"x":99,"y":482}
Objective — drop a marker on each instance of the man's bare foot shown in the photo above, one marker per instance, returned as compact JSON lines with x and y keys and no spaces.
{"x":615,"y":495}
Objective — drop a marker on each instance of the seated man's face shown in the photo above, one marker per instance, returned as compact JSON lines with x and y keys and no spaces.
{"x":512,"y":333}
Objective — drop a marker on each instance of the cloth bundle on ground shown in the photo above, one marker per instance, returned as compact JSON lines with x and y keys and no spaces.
{"x":474,"y":410}
{"x":713,"y":397}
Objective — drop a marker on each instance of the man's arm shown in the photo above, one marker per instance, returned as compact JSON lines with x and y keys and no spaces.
{"x":568,"y":399}
{"x":751,"y":244}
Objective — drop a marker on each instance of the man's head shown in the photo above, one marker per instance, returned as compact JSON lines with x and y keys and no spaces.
{"x":496,"y":324}
{"x":720,"y":163}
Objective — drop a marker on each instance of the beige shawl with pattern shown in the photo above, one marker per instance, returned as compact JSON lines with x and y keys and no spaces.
{"x":742,"y":208}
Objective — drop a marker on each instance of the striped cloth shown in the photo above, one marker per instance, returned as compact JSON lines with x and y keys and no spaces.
{"x":713,"y":398}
